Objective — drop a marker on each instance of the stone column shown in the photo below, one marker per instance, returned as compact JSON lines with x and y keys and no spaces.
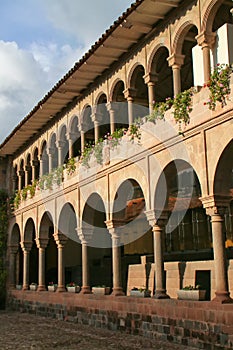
{"x":26,"y":247}
{"x":97,"y":118}
{"x":129,"y":95}
{"x":60,"y":146}
{"x":215,"y":210}
{"x":41,"y":166}
{"x":60,"y":240}
{"x":85,"y":235}
{"x":20,"y":177}
{"x":12,"y":265}
{"x":176,"y":61}
{"x":206,"y":41}
{"x":82,"y":132}
{"x":116,"y":258}
{"x":50,"y":156}
{"x":34,"y":167}
{"x":41,"y":245}
{"x":150,"y":79}
{"x":157,"y":221}
{"x":27,"y":169}
{"x":112,"y":108}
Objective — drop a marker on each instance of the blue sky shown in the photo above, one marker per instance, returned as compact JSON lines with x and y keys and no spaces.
{"x":40,"y":40}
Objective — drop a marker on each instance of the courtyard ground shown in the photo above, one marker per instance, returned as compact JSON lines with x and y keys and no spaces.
{"x":25,"y":331}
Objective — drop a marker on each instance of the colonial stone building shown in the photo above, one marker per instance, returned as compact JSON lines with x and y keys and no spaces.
{"x":152,"y":208}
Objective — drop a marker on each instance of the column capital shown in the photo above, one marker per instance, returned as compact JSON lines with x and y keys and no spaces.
{"x":206,"y":39}
{"x":41,"y":242}
{"x":150,"y":78}
{"x":175,"y":60}
{"x":72,"y":136}
{"x":130,"y":93}
{"x":51,"y":150}
{"x":35,"y":162}
{"x":60,"y":239}
{"x":157,"y":217}
{"x":60,"y":143}
{"x":96,"y":117}
{"x":26,"y":245}
{"x":85,"y":233}
{"x":215,"y":204}
{"x":112,"y":106}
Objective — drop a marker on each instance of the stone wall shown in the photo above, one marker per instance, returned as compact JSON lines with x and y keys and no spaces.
{"x":204,"y":325}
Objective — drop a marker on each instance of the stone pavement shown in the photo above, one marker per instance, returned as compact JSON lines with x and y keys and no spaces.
{"x":25,"y":331}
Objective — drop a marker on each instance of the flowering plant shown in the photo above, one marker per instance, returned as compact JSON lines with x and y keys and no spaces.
{"x":52,"y":284}
{"x":71,"y":284}
{"x":219,"y":85}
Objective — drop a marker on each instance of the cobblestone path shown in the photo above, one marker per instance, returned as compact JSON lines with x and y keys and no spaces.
{"x":25,"y":331}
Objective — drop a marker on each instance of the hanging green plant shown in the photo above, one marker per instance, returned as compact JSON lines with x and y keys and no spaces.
{"x":159,"y":110}
{"x":182,"y":106}
{"x":98,"y":151}
{"x":87,"y":154}
{"x":17,"y":199}
{"x":57,"y":175}
{"x":135,"y":132}
{"x":219,"y":85}
{"x":70,"y":166}
{"x":114,"y":138}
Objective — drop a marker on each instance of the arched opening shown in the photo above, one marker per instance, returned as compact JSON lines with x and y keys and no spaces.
{"x":88,"y":126}
{"x":99,"y":249}
{"x":75,"y":137}
{"x":120,"y":106}
{"x":36,"y":164}
{"x":29,"y":169}
{"x":64,"y":145}
{"x":21,"y":175}
{"x":29,"y":236}
{"x":223,"y":16}
{"x":18,"y":263}
{"x":103,"y":116}
{"x":223,"y":186}
{"x":188,"y":231}
{"x":187,"y":76}
{"x":136,"y":238}
{"x":53,"y":152}
{"x":140,"y":92}
{"x":44,"y":159}
{"x":161,"y":69}
{"x":46,"y":231}
{"x":72,"y":251}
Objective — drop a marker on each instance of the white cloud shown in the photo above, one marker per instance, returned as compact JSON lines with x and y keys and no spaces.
{"x":26,"y":75}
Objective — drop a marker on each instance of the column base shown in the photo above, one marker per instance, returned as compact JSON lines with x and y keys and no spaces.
{"x":25,"y":287}
{"x":86,"y":290}
{"x":60,"y":289}
{"x":41,"y":288}
{"x":117,"y":292}
{"x":222,"y":298}
{"x":161,"y":294}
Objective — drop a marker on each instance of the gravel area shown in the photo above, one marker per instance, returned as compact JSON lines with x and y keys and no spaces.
{"x":25,"y":331}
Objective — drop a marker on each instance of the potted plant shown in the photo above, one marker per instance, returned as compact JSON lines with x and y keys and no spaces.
{"x":72,"y":287}
{"x":101,"y":290}
{"x":33,"y":286}
{"x":140,"y":292}
{"x":191,"y":293}
{"x":52,"y":287}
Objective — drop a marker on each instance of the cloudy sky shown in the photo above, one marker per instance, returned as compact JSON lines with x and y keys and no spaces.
{"x":40,"y":40}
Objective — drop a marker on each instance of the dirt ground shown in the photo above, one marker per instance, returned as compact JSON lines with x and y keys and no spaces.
{"x":24,"y":331}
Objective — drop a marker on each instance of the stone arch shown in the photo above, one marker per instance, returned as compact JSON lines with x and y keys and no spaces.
{"x":30,"y":241}
{"x":180,"y":34}
{"x":67,"y":222}
{"x":177,"y":192}
{"x":209,"y":15}
{"x":152,"y":57}
{"x":99,"y":243}
{"x":131,"y":74}
{"x":115,"y":88}
{"x":52,"y":140}
{"x":73,"y":134}
{"x":16,"y":271}
{"x":223,"y":176}
{"x":45,"y":235}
